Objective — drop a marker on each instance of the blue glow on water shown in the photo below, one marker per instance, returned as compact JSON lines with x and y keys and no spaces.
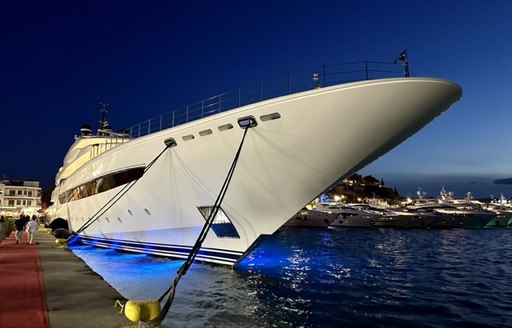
{"x":125,"y":270}
{"x":334,"y":278}
{"x":74,"y":240}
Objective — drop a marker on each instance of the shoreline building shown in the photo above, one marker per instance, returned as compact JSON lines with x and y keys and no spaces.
{"x":19,"y":196}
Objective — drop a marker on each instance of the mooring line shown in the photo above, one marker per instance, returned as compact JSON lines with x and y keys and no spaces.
{"x":171,"y":290}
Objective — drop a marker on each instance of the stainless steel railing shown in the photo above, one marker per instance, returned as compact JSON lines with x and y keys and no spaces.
{"x":287,"y":84}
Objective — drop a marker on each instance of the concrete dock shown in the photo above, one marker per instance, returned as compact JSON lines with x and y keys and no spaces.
{"x":73,"y":295}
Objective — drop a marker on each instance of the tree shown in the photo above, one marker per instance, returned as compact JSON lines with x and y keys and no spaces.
{"x":46,"y":197}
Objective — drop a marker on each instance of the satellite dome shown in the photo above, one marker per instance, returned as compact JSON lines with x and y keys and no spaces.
{"x":86,"y":130}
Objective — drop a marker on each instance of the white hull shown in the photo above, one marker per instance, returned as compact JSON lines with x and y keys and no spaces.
{"x":321,"y":136}
{"x":359,"y":220}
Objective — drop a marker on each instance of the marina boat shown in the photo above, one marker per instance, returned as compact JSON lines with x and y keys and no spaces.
{"x":355,"y":216}
{"x":404,"y":218}
{"x":306,"y":218}
{"x":472,"y":217}
{"x":449,"y":212}
{"x":471,"y":211}
{"x":503,"y":210}
{"x":151,"y":188}
{"x":452,"y":215}
{"x":422,"y":216}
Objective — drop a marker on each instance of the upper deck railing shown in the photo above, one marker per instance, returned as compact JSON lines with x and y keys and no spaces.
{"x":287,"y":84}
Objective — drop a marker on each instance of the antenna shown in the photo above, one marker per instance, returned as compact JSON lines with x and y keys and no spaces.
{"x":103,"y":111}
{"x":403,"y":58}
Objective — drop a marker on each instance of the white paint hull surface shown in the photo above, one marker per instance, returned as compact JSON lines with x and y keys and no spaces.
{"x":322,"y":135}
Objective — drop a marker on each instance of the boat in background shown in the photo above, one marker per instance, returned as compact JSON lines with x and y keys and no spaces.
{"x":503,"y":209}
{"x":450,"y":212}
{"x":355,"y":215}
{"x":151,"y":188}
{"x":307,"y":218}
{"x":419,"y":217}
{"x":473,"y":211}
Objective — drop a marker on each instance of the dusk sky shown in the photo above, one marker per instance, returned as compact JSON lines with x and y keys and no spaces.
{"x":60,"y":59}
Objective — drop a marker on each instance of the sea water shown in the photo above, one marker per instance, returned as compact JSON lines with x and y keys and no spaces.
{"x":333,"y":278}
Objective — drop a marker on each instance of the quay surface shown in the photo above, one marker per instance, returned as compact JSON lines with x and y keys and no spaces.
{"x":44,"y":285}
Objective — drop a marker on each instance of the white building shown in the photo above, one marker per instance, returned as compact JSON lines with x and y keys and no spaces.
{"x":18,"y":196}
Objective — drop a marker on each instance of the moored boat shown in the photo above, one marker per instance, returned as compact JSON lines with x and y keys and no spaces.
{"x":503,"y":210}
{"x":150,"y":188}
{"x":355,"y":217}
{"x":306,"y":218}
{"x":472,"y":211}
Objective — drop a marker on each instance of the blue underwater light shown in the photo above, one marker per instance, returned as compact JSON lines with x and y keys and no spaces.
{"x":74,"y":240}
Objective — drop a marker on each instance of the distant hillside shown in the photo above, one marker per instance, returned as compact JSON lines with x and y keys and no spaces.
{"x":357,"y":188}
{"x":503,"y":181}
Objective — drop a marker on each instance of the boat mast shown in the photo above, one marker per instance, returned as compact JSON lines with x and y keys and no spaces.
{"x":103,"y":111}
{"x":403,"y":58}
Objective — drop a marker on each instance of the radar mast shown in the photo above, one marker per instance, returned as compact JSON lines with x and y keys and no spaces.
{"x":103,"y":111}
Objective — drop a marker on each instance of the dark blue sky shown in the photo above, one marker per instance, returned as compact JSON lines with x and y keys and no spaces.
{"x":60,"y":59}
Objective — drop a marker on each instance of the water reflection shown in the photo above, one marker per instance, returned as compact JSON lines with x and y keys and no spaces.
{"x":333,"y":278}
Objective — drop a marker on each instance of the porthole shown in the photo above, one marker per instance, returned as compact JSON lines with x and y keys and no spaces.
{"x":188,"y":137}
{"x":270,"y":117}
{"x":130,"y":212}
{"x":225,"y":127}
{"x":147,"y":211}
{"x":205,"y":132}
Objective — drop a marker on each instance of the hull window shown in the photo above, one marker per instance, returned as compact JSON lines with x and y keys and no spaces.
{"x":269,"y":117}
{"x":101,"y":184}
{"x":221,"y":226}
{"x":225,"y":127}
{"x":205,"y":132}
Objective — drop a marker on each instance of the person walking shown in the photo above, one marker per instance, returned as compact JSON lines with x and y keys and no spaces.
{"x":3,"y":228}
{"x":19,"y":224}
{"x":32,"y":227}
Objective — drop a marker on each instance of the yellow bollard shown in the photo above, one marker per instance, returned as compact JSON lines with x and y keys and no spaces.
{"x":142,"y":310}
{"x":61,"y":242}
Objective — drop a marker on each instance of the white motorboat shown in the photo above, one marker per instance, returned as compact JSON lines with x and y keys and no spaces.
{"x":356,"y":216}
